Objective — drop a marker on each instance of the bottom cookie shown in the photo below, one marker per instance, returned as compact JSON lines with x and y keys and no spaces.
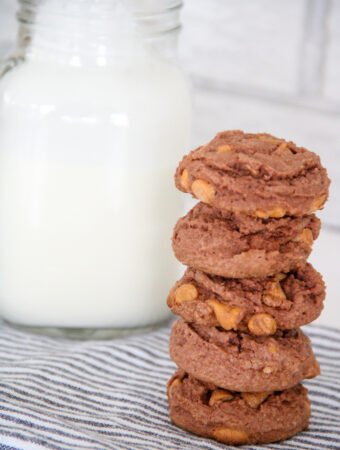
{"x":237,"y":418}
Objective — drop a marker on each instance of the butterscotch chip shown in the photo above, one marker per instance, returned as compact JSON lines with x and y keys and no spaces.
{"x":175,"y":382}
{"x":227,"y":316}
{"x":185,"y":179}
{"x":203,"y":191}
{"x":274,"y":296}
{"x":318,"y":203}
{"x":306,"y":236}
{"x":230,"y":436}
{"x":274,"y":302}
{"x":275,"y":288}
{"x":223,"y":148}
{"x":284,"y":149}
{"x":280,"y":276}
{"x":220,"y":395}
{"x":186,"y":293}
{"x":274,"y":213}
{"x":268,"y":138}
{"x":254,"y":400}
{"x":262,"y":324}
{"x":272,"y":348}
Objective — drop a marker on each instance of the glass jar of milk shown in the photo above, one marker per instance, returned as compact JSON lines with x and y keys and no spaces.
{"x":94,"y":116}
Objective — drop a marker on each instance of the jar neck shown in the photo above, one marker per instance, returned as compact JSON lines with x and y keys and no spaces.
{"x":101,"y":32}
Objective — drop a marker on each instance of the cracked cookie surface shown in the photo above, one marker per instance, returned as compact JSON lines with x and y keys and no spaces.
{"x":256,"y":174}
{"x":235,"y":246}
{"x":240,"y":361}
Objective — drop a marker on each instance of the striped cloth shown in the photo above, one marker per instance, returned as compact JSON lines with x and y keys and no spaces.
{"x":61,"y":394}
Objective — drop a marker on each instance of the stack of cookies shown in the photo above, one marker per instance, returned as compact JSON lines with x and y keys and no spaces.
{"x":247,"y":288}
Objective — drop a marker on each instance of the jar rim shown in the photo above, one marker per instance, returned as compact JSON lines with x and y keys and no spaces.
{"x":28,"y":9}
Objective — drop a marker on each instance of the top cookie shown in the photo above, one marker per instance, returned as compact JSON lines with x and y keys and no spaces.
{"x":256,"y":174}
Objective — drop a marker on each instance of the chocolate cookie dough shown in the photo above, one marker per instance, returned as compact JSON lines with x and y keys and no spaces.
{"x":256,"y":174}
{"x":237,"y":418}
{"x":284,"y":301}
{"x":237,"y":246}
{"x":240,"y":361}
{"x":247,"y":289}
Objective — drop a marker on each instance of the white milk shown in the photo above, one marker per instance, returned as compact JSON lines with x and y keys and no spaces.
{"x":87,"y":199}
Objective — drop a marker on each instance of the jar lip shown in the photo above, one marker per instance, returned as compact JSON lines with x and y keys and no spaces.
{"x":28,"y":8}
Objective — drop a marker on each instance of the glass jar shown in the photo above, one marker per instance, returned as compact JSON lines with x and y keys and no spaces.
{"x":94,"y":116}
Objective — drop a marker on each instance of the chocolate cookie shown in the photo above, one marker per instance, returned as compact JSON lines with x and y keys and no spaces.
{"x":240,"y":361}
{"x":258,"y":305}
{"x":237,"y":418}
{"x":237,"y":246}
{"x":256,"y":174}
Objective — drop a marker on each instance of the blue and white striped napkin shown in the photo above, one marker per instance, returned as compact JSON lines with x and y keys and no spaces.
{"x":60,"y":394}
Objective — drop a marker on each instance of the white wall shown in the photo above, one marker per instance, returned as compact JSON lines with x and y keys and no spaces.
{"x":7,"y":25}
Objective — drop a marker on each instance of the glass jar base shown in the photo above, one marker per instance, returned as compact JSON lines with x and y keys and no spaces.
{"x":88,"y":333}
